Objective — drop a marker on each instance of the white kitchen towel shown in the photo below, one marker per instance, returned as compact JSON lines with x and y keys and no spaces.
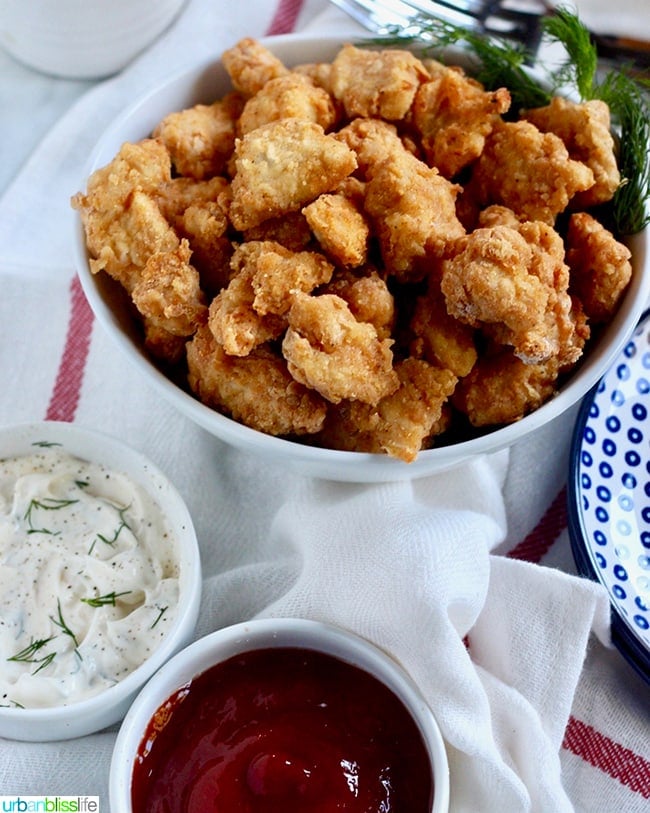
{"x":496,"y":645}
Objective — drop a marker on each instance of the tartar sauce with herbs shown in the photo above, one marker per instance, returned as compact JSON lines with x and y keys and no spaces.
{"x":88,"y":578}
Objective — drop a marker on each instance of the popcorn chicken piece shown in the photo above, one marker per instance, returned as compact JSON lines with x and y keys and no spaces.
{"x":290,"y":230}
{"x":413,"y":209}
{"x":368,"y":298}
{"x":250,"y":66}
{"x":256,"y":390}
{"x":163,"y":345}
{"x":502,"y":389}
{"x":454,"y":113}
{"x":167,"y":292}
{"x":400,"y":422}
{"x":585,"y":129}
{"x":528,"y":171}
{"x":373,"y":141}
{"x":122,"y":222}
{"x":320,"y":74}
{"x":175,"y":196}
{"x":600,"y":266}
{"x":340,"y":228}
{"x":328,"y":350}
{"x":290,"y":96}
{"x":380,"y":84}
{"x":440,"y":338}
{"x":205,"y":225}
{"x":201,"y":139}
{"x":495,"y":279}
{"x":497,"y":215}
{"x":282,"y":166}
{"x":280,"y":274}
{"x":233,"y":320}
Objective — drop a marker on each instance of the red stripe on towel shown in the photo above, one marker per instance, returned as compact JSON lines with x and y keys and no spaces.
{"x":286,"y":16}
{"x":609,"y":756}
{"x":67,"y":388}
{"x":542,"y":537}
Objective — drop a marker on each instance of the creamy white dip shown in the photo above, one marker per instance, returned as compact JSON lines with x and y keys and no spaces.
{"x":88,"y":578}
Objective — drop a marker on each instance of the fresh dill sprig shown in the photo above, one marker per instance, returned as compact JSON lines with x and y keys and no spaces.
{"x":163,"y":610}
{"x":29,"y":653}
{"x":60,"y":622}
{"x":502,"y":64}
{"x":46,"y":504}
{"x":107,"y":598}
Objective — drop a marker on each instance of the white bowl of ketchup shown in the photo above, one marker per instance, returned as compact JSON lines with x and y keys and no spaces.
{"x":279,"y":715}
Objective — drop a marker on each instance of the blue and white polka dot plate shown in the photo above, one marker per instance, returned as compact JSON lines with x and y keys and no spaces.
{"x":609,"y":494}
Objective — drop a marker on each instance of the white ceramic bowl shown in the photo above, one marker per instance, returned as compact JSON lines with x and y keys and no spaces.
{"x":78,"y":39}
{"x":207,"y":82}
{"x":264,"y":634}
{"x":109,"y":706}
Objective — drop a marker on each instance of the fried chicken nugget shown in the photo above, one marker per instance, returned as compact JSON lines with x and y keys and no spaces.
{"x":373,"y":141}
{"x":282,"y":166}
{"x":368,"y":298}
{"x":501,"y":389}
{"x":528,"y":171}
{"x":233,"y":320}
{"x":600,"y":266}
{"x":122,"y":221}
{"x":400,"y":422}
{"x":329,"y":351}
{"x":250,"y":66}
{"x":379,"y":84}
{"x":291,"y":96}
{"x":201,"y":139}
{"x":167,"y":292}
{"x":440,"y":338}
{"x":290,"y":230}
{"x":256,"y":390}
{"x":340,"y":227}
{"x":453,"y":114}
{"x":585,"y":128}
{"x":413,"y":209}
{"x":489,"y":281}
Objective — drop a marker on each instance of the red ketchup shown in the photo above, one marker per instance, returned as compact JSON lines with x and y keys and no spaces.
{"x":281,"y":731}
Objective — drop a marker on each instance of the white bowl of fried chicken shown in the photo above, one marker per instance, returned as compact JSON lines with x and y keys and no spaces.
{"x":358,"y":262}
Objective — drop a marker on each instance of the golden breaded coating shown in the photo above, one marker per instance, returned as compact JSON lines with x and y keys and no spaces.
{"x":502,"y":389}
{"x":400,"y":422}
{"x":233,"y":320}
{"x":438,"y":337}
{"x":585,"y":129}
{"x":413,"y":209}
{"x":175,"y":196}
{"x":528,"y":171}
{"x":122,"y":222}
{"x":201,"y":139}
{"x":320,"y":73}
{"x":288,"y":97}
{"x":600,"y":266}
{"x":379,"y":84}
{"x":290,"y":230}
{"x":282,"y":166}
{"x":280,"y":274}
{"x":205,"y":225}
{"x":340,"y":228}
{"x":490,"y":280}
{"x":163,"y":345}
{"x":250,"y":66}
{"x":453,"y":114}
{"x":497,"y":215}
{"x":167,"y":292}
{"x":329,"y":351}
{"x":256,"y":390}
{"x":373,"y":141}
{"x":368,"y":298}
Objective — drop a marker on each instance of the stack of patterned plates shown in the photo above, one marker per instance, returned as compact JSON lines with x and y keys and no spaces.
{"x":609,"y":494}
